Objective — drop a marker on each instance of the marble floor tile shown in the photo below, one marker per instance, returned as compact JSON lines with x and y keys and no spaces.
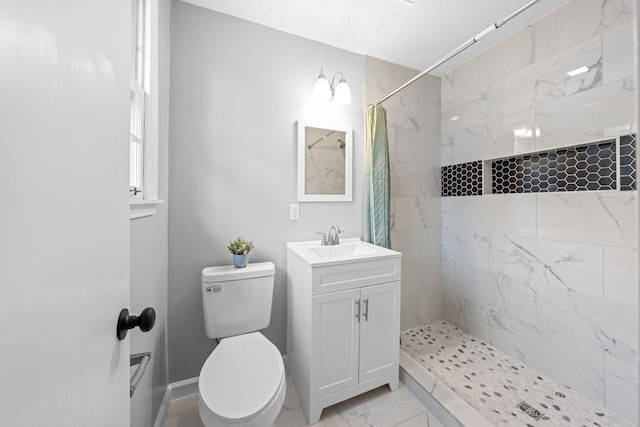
{"x":183,"y":412}
{"x":425,"y":419}
{"x":380,"y":407}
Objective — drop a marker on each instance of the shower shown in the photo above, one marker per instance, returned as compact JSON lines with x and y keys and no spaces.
{"x":524,"y":242}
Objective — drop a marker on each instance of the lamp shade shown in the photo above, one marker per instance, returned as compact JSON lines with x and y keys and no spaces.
{"x":342,"y":95}
{"x":322,"y":89}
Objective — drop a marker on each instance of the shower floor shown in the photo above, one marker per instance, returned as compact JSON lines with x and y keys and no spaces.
{"x":495,"y":384}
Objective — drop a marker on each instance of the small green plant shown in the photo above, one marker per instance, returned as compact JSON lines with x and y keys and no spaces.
{"x":240,"y":246}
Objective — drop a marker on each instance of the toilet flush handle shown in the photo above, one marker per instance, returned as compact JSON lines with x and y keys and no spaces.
{"x":145,"y":321}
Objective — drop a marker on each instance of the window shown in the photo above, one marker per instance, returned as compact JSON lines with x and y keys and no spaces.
{"x":143,"y":104}
{"x":138,"y":97}
{"x":136,"y":141}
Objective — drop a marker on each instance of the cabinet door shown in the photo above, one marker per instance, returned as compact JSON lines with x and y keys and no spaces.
{"x":379,"y":330}
{"x":334,"y":342}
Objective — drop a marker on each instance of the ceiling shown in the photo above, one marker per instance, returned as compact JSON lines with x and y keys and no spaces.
{"x":413,"y":33}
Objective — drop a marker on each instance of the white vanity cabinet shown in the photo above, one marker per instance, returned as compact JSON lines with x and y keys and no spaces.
{"x":343,"y":327}
{"x":354,"y":337}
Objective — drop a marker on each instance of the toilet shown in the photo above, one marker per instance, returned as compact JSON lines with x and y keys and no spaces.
{"x":242,"y":382}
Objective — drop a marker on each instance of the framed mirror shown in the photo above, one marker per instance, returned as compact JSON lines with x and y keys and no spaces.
{"x":325,"y":153}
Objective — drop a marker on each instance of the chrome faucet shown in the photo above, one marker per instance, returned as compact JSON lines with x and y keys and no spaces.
{"x":332,"y":238}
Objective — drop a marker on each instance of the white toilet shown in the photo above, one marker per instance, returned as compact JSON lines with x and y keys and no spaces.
{"x":242,"y":382}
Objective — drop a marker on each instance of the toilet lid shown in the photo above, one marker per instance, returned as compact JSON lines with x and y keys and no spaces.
{"x":241,"y":376}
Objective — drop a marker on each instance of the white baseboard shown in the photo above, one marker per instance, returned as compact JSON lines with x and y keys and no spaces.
{"x":184,"y":388}
{"x":175,"y":391}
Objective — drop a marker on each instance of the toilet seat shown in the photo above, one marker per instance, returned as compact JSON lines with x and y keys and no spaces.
{"x":241,"y":380}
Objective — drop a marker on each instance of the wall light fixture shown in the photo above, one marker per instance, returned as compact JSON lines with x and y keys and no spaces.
{"x":323,"y":91}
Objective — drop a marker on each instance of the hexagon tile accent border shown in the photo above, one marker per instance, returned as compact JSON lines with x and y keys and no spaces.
{"x":628,"y":150}
{"x":588,"y":167}
{"x":464,"y":179}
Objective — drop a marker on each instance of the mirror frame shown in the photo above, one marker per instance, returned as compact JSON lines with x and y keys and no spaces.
{"x":348,"y":161}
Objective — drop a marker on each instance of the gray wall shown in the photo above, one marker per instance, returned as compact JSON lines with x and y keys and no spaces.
{"x":149,"y":257}
{"x":237,"y":89}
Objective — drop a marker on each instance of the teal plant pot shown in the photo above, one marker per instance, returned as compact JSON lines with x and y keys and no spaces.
{"x":240,"y":261}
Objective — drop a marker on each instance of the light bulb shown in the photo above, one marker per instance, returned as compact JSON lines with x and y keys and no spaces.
{"x":322,"y":89}
{"x":342,"y":95}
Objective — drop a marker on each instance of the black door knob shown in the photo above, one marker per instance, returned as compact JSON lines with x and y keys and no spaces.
{"x":145,"y":321}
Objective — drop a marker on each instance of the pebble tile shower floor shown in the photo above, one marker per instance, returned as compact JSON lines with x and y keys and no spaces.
{"x":503,"y":389}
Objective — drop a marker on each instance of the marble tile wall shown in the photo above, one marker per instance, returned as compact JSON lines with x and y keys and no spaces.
{"x":550,"y":278}
{"x":413,"y":125}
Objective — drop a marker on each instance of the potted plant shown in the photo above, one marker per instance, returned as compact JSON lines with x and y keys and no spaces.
{"x":240,"y":249}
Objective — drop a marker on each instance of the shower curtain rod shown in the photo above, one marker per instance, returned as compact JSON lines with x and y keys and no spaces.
{"x":320,"y":139}
{"x":462,"y":47}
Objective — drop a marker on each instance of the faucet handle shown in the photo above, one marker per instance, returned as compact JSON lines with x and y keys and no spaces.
{"x":323,"y":242}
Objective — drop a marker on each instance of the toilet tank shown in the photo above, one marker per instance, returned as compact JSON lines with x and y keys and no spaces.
{"x":237,"y":300}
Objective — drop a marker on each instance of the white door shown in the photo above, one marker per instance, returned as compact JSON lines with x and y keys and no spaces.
{"x":64,"y":242}
{"x":334,"y":345}
{"x":379,"y":330}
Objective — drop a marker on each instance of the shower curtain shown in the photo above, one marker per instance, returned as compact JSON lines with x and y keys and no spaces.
{"x":376,"y":196}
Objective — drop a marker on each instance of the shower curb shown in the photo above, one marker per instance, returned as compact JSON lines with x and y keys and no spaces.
{"x":449,"y":408}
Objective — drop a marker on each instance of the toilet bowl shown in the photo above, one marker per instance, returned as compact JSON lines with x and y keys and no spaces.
{"x":242,"y":383}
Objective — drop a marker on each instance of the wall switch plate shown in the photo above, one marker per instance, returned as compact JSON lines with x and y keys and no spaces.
{"x":294,"y":211}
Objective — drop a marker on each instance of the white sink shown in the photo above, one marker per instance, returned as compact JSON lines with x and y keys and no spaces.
{"x":348,"y":250}
{"x":343,"y":251}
